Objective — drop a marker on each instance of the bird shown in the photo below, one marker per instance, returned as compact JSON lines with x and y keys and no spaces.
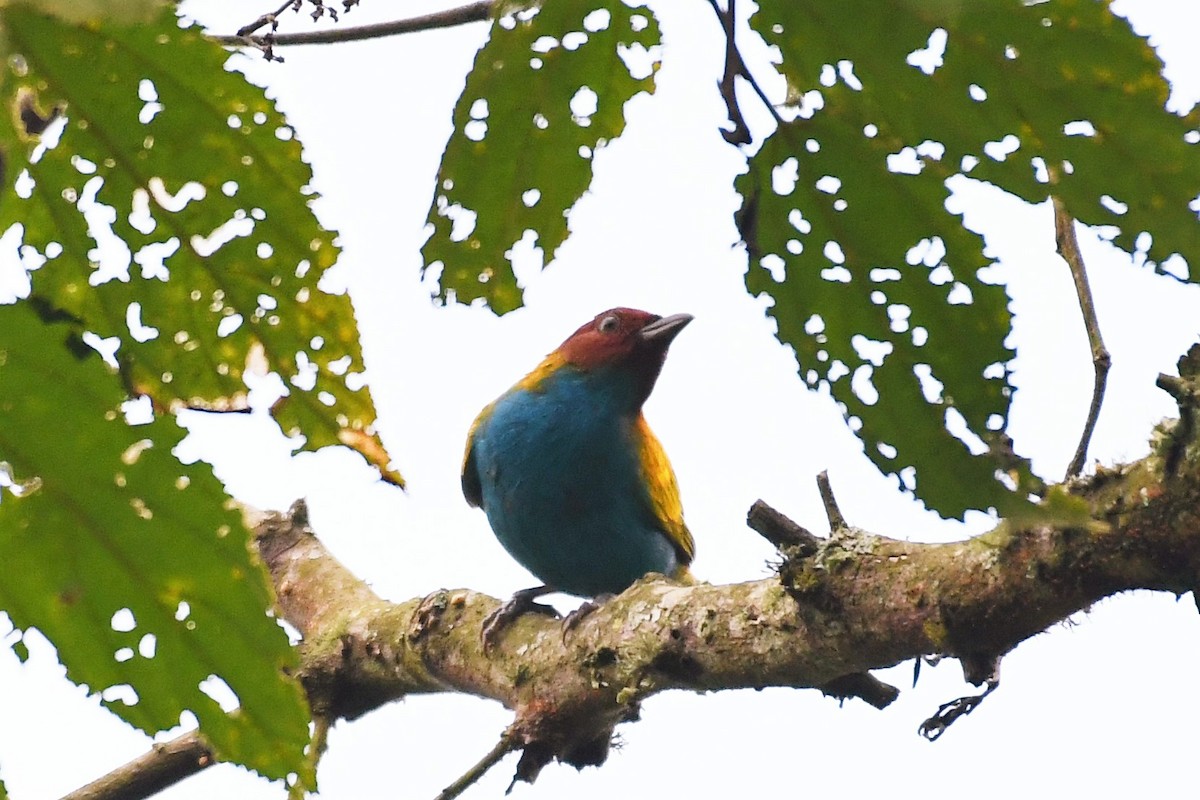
{"x":575,"y":485}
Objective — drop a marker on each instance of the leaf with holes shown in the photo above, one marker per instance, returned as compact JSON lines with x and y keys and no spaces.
{"x":546,"y":91}
{"x":1016,"y":94}
{"x":131,"y":563}
{"x":166,"y":202}
{"x":877,"y":285}
{"x":876,"y":293}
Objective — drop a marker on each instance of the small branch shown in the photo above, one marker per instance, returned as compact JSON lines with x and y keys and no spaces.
{"x":472,"y":12}
{"x":316,"y":749}
{"x":1186,"y":394}
{"x":780,"y":531}
{"x":865,"y":687}
{"x":503,"y":747}
{"x":727,"y":85}
{"x":268,"y":19}
{"x":1177,"y":388}
{"x":836,"y":520}
{"x":1068,"y":248}
{"x":163,"y":765}
{"x":736,"y":67}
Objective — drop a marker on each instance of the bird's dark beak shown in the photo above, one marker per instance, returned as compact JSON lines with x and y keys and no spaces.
{"x":662,"y":331}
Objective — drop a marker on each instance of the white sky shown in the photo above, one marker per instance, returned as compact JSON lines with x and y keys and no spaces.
{"x":1106,"y":708}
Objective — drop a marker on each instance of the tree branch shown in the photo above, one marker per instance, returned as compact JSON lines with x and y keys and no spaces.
{"x":472,"y":12}
{"x":838,"y":607}
{"x":503,"y":747}
{"x":164,"y":765}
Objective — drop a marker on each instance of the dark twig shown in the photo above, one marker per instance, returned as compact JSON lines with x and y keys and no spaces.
{"x":164,"y":765}
{"x":736,"y":67}
{"x":1068,"y":248}
{"x":472,"y":12}
{"x":503,"y":747}
{"x":780,"y":531}
{"x":864,"y":686}
{"x":1178,"y":388}
{"x":271,"y":19}
{"x":1186,"y":392}
{"x":836,"y":520}
{"x":727,"y":85}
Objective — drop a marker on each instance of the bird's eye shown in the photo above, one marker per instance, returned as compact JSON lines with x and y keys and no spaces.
{"x":610,"y":324}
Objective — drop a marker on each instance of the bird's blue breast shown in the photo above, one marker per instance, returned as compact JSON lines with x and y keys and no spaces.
{"x":562,"y":485}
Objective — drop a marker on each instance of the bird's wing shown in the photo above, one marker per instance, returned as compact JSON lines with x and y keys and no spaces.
{"x":471,"y":487}
{"x":663,"y":492}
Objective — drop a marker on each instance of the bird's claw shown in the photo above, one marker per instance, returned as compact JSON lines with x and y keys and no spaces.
{"x":577,"y":616}
{"x":522,"y":602}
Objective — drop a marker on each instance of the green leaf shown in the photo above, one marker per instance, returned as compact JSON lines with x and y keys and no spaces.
{"x":1039,"y":72}
{"x":885,"y":120}
{"x":524,"y":137}
{"x":194,"y":184}
{"x":76,"y":11}
{"x":883,"y":308}
{"x":20,"y":649}
{"x":130,"y":562}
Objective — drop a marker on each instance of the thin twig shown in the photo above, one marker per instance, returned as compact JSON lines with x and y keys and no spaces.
{"x":503,"y":747}
{"x":164,"y":765}
{"x":727,"y":85}
{"x":836,"y":520}
{"x":316,"y":746}
{"x":779,"y":530}
{"x":472,"y":12}
{"x":1068,"y":248}
{"x":735,"y":66}
{"x":267,"y":19}
{"x":1187,"y":394}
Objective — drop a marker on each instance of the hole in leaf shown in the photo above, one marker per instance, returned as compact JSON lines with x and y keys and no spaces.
{"x":956,"y":426}
{"x":121,"y":693}
{"x":931,"y":387}
{"x":597,"y":20}
{"x":218,"y":690}
{"x":930,"y":57}
{"x":862,"y":387}
{"x":123,"y":621}
{"x":784,"y":176}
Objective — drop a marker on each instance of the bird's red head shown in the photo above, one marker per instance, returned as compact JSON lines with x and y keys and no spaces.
{"x":637,"y":340}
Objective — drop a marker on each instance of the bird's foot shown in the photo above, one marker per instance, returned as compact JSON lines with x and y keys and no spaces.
{"x":522,"y":602}
{"x":587,"y":607}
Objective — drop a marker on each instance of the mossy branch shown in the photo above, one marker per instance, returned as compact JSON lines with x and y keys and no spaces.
{"x":838,"y":608}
